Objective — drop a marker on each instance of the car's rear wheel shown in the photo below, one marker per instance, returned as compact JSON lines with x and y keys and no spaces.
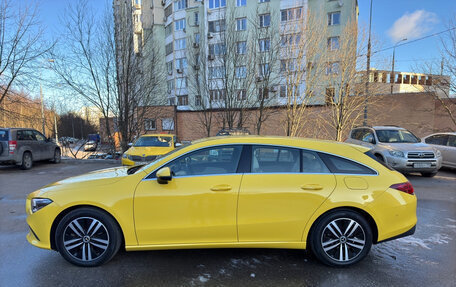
{"x":341,"y":238}
{"x":87,"y":237}
{"x":57,"y":156}
{"x":428,"y":174}
{"x":27,"y":160}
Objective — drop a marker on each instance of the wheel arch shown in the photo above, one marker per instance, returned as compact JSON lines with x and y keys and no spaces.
{"x":360,"y":211}
{"x":64,"y":212}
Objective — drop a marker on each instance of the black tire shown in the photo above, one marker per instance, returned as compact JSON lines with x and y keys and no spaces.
{"x":57,"y":156}
{"x":88,"y":237}
{"x":27,"y":160}
{"x":341,"y":238}
{"x":428,"y":174}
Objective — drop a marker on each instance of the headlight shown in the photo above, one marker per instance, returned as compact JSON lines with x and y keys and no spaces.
{"x":396,"y":153}
{"x":438,"y":153}
{"x":38,"y":203}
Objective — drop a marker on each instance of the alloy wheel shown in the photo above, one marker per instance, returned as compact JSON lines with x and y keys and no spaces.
{"x":343,"y":239}
{"x":86,"y":238}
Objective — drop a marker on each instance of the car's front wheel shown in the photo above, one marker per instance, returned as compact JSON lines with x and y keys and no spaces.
{"x":57,"y":156}
{"x":341,"y":238}
{"x":87,"y":237}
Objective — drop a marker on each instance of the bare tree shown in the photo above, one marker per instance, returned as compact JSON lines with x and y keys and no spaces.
{"x":303,"y":64}
{"x":85,"y":60}
{"x":21,"y":46}
{"x":139,"y":80}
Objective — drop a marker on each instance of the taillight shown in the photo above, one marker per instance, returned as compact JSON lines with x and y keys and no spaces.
{"x":12,"y":146}
{"x":405,"y":187}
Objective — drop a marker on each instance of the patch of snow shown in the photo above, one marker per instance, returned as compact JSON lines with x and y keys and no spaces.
{"x":252,"y":275}
{"x":451,"y":219}
{"x":450,"y":226}
{"x":424,"y":243}
{"x":204,"y":278}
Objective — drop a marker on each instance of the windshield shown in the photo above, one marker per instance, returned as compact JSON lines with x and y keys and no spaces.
{"x":396,"y":136}
{"x":158,"y":141}
{"x":160,"y":157}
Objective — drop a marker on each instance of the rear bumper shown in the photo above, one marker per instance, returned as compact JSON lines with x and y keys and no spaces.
{"x":409,"y":232}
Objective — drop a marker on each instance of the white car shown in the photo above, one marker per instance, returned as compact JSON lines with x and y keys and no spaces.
{"x":446,"y":144}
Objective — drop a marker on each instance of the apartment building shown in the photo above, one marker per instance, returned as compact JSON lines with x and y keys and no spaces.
{"x":215,"y":49}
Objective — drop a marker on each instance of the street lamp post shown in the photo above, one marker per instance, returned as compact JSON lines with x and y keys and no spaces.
{"x":366,"y":92}
{"x":43,"y":120}
{"x":393,"y":78}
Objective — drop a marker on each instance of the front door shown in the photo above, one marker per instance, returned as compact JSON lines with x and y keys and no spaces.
{"x":281,"y":193}
{"x":198,"y":205}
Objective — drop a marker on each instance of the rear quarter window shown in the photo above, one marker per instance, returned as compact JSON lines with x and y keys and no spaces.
{"x":345,"y":166}
{"x":3,"y":135}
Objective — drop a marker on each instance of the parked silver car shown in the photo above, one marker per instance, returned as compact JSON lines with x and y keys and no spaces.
{"x":446,"y":144}
{"x":22,"y":146}
{"x":398,"y":148}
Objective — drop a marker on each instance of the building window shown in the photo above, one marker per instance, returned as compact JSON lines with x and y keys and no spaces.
{"x":181,"y":63}
{"x":180,"y":44}
{"x":217,"y":3}
{"x":265,"y":20}
{"x":329,"y":96}
{"x":334,"y":18}
{"x":216,"y":72}
{"x":241,"y":72}
{"x":179,"y":24}
{"x":169,"y":67}
{"x":137,"y":2}
{"x":291,"y":14}
{"x":168,"y":123}
{"x":197,"y":38}
{"x":196,"y":17}
{"x":283,"y":91}
{"x":216,"y":95}
{"x":217,"y":26}
{"x":169,"y":48}
{"x":240,"y":3}
{"x":263,"y":69}
{"x":180,"y":4}
{"x":241,"y":47}
{"x":150,"y":124}
{"x":182,"y":100}
{"x":265,"y":44}
{"x":170,"y":85}
{"x":263,"y":94}
{"x":263,"y":1}
{"x":217,"y":49}
{"x":333,"y":43}
{"x":181,"y":83}
{"x":241,"y":24}
{"x":169,"y":30}
{"x":241,"y":95}
{"x":332,"y":68}
{"x":198,"y":101}
{"x":169,"y":10}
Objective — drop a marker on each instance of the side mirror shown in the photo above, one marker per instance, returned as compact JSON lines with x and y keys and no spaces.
{"x":130,"y":144}
{"x":164,"y":175}
{"x":177,"y":144}
{"x":372,"y":140}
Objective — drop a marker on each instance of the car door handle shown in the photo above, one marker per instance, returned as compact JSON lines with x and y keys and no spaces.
{"x":311,"y":187}
{"x":221,"y":187}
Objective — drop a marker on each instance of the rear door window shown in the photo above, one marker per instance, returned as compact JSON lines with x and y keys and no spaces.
{"x":452,"y":141}
{"x":24,"y":135}
{"x":272,"y":159}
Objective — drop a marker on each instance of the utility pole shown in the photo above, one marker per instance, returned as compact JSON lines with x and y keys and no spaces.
{"x":42,"y":110}
{"x":393,"y":78}
{"x":366,"y":92}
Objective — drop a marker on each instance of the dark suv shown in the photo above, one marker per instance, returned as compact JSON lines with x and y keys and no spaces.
{"x":22,"y":146}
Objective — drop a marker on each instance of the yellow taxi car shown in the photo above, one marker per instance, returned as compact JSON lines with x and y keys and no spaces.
{"x":333,"y":198}
{"x":147,"y":147}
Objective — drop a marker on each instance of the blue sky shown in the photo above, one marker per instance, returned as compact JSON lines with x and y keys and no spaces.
{"x":415,"y":18}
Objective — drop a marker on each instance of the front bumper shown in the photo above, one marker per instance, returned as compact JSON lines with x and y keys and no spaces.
{"x":40,"y":224}
{"x":414,"y":165}
{"x":126,"y":161}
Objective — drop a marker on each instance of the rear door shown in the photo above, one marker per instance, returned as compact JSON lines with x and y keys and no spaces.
{"x":450,"y":155}
{"x":46,"y":147}
{"x":26,"y":141}
{"x":4,"y":138}
{"x":283,"y":189}
{"x":439,"y":141}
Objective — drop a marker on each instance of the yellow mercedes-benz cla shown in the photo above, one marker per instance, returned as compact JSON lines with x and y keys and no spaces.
{"x":268,"y":192}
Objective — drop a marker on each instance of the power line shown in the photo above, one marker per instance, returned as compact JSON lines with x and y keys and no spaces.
{"x":412,"y":41}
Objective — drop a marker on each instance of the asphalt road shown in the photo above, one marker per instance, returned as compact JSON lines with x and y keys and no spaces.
{"x":427,"y":258}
